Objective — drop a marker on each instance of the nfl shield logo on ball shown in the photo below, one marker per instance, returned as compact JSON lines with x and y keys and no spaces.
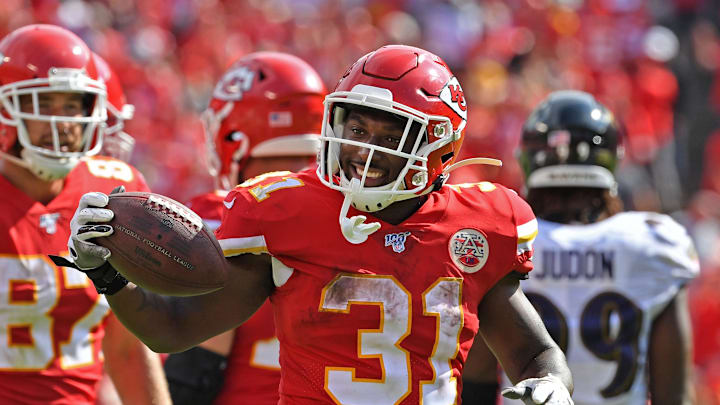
{"x":469,"y":250}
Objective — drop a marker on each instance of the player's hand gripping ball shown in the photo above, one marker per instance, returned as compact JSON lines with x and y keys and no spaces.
{"x":163,"y":246}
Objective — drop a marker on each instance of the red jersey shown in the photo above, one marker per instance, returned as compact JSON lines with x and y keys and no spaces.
{"x":52,"y":318}
{"x":253,"y":371}
{"x":390,"y":320}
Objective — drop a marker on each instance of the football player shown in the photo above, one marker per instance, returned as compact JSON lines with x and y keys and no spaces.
{"x":380,"y":276}
{"x":57,"y":329}
{"x":265,"y":116}
{"x":609,"y":285}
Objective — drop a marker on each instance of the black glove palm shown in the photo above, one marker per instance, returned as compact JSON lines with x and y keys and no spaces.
{"x":106,"y":279}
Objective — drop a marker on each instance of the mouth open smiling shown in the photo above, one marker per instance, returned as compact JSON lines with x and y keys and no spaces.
{"x":374,"y":176}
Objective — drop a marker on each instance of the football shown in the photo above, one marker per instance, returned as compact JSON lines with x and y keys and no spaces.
{"x":163,"y":246}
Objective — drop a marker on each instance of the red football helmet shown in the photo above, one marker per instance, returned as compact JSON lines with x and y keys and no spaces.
{"x":266,"y":104}
{"x":39,"y":59}
{"x":116,"y":142}
{"x":418,"y":87}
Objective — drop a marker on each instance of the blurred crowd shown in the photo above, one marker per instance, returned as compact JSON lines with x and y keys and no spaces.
{"x":655,"y":63}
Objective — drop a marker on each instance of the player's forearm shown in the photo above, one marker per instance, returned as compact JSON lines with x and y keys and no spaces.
{"x":164,"y":324}
{"x":139,"y":378}
{"x":549,"y":361}
{"x":172,"y":324}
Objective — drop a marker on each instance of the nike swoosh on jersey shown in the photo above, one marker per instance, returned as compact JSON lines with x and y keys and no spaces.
{"x":230,"y":204}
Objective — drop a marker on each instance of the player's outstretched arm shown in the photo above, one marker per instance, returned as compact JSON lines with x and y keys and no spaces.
{"x":671,"y":355}
{"x":136,"y":372}
{"x":515,"y":333}
{"x":163,"y":323}
{"x":172,"y":324}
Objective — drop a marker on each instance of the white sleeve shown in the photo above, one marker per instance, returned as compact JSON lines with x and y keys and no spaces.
{"x":671,"y":253}
{"x":665,"y":261}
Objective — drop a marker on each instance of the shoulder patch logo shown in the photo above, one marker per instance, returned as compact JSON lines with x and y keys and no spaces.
{"x":469,"y":250}
{"x":49,"y":222}
{"x":397,"y":241}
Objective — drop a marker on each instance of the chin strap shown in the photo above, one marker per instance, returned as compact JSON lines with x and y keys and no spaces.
{"x":14,"y":159}
{"x":35,"y":169}
{"x":354,"y":229}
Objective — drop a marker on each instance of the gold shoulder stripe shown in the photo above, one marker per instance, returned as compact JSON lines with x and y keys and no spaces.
{"x":486,"y":186}
{"x":238,"y":246}
{"x":238,"y":252}
{"x":527,"y":231}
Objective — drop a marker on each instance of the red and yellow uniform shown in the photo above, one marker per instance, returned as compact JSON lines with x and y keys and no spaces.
{"x":253,"y":369}
{"x":387,"y":321}
{"x":51,"y":318}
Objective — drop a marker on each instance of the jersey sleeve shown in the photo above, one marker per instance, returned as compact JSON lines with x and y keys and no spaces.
{"x":526,"y":228}
{"x":258,"y":214}
{"x":239,"y":231}
{"x":671,"y":257}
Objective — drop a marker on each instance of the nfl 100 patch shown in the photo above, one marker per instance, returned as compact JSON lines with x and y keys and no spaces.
{"x":469,"y":250}
{"x":397,"y":241}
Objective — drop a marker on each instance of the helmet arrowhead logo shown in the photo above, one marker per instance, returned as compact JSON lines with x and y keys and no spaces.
{"x":453,"y":95}
{"x":233,"y":84}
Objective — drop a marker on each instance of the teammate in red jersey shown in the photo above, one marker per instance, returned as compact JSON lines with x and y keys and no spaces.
{"x":383,"y":308}
{"x":265,"y":116}
{"x":57,"y":328}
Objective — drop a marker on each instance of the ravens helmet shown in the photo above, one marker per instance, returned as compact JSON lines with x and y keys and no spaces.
{"x":570,"y":140}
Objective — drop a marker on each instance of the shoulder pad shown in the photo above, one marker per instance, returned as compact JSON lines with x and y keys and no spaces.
{"x":665,"y":229}
{"x":669,"y":245}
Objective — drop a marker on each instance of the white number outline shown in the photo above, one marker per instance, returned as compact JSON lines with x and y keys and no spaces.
{"x":262,"y":192}
{"x":43,"y":337}
{"x":110,"y":169}
{"x":266,"y":354}
{"x":443,"y":393}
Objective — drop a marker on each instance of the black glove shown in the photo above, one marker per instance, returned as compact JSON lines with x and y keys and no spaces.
{"x":106,"y":279}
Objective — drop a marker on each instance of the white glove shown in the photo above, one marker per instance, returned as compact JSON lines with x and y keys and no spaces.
{"x":547,"y":390}
{"x":87,"y":255}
